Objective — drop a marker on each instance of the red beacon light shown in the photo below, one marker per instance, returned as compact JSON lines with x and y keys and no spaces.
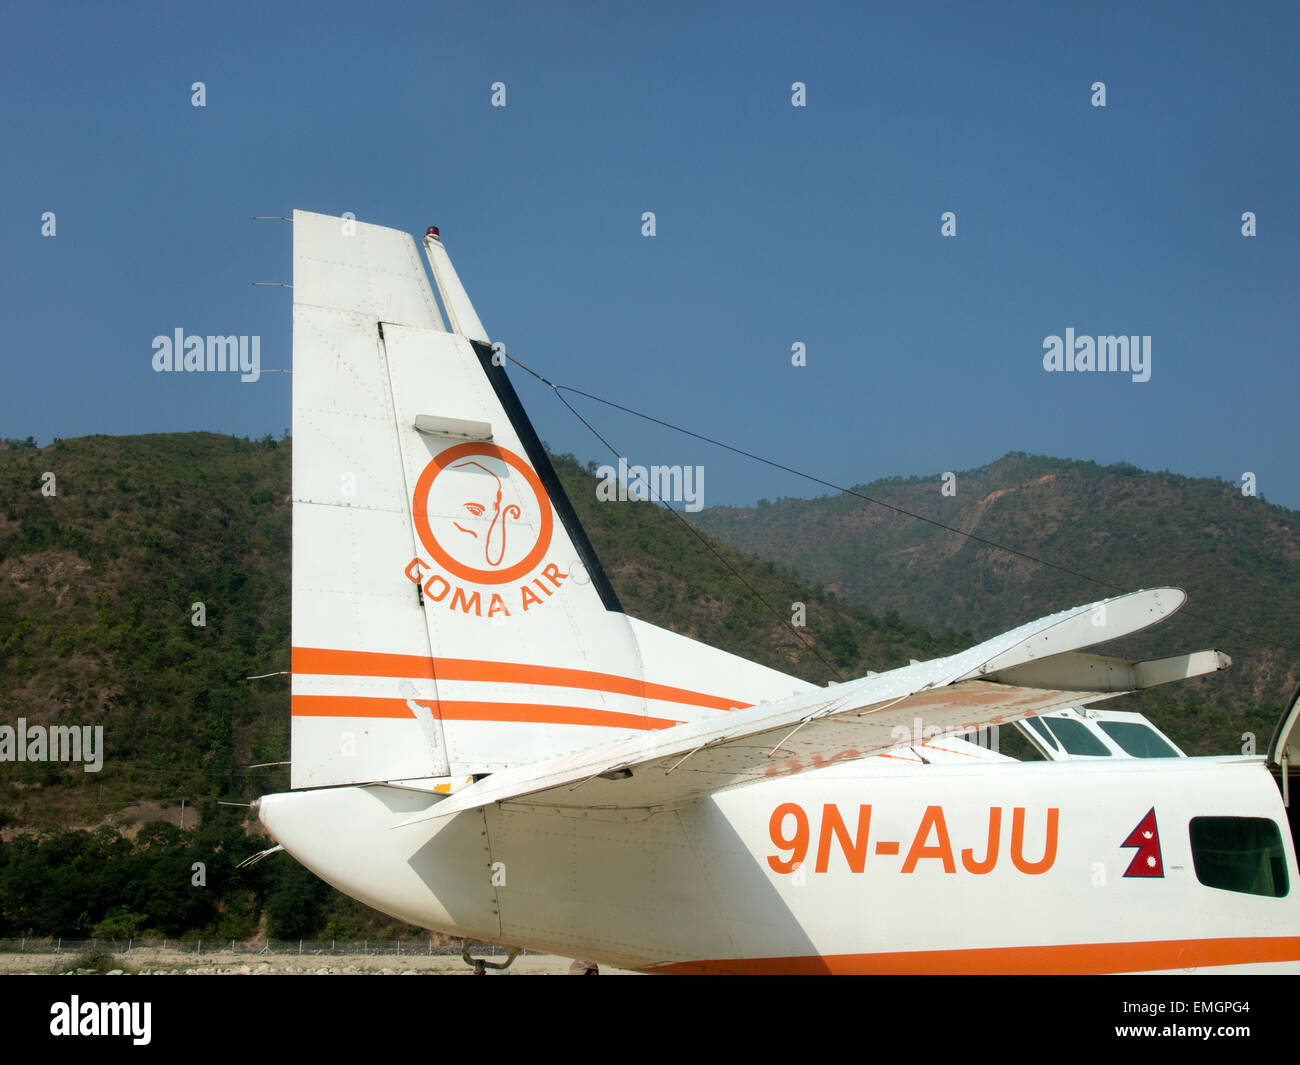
{"x":432,"y":231}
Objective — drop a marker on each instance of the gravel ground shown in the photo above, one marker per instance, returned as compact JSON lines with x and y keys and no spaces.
{"x":175,"y":963}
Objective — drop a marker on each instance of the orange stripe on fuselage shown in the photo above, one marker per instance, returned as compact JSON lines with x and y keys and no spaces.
{"x":1067,"y":959}
{"x":374,"y":664}
{"x":527,"y":713}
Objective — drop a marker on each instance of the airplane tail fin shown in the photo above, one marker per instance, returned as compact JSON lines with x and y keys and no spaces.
{"x":449,"y":614}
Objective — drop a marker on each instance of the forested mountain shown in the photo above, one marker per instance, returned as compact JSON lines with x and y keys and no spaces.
{"x":1237,"y":556}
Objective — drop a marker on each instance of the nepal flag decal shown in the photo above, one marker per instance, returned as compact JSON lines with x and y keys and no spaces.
{"x":1147,"y":860}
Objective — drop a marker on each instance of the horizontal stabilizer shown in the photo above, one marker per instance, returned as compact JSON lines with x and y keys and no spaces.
{"x":1098,"y":673}
{"x":1037,"y":669}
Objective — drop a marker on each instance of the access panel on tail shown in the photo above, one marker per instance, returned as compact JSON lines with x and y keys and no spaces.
{"x":449,"y":614}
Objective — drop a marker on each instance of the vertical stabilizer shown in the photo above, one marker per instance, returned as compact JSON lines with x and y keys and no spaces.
{"x":449,"y":614}
{"x":443,"y":619}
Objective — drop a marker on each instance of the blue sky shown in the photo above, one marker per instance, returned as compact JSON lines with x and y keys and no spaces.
{"x":775,"y":224}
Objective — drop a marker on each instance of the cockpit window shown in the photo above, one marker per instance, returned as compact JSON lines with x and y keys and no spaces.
{"x":1075,"y":737}
{"x":1138,"y":740}
{"x":1239,"y":854}
{"x":1036,"y":723}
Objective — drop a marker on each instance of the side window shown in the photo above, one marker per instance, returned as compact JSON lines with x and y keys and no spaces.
{"x":1239,"y":854}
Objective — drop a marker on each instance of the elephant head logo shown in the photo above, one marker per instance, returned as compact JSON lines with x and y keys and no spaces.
{"x":482,"y":513}
{"x":500,"y":516}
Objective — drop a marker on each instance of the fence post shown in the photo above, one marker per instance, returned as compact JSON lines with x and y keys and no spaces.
{"x":300,"y":948}
{"x":128,"y":944}
{"x":59,"y":948}
{"x":200,"y":946}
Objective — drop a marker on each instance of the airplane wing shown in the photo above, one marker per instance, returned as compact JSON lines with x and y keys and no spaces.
{"x":1031,"y":669}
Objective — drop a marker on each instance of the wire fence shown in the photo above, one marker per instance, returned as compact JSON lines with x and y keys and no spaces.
{"x":279,"y":947}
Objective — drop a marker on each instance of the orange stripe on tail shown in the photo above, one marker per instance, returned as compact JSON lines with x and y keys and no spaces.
{"x":522,"y":713}
{"x":326,"y":662}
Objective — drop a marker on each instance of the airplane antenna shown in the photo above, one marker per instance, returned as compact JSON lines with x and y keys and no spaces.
{"x":248,"y":863}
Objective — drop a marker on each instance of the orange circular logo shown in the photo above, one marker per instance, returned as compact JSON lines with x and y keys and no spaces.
{"x":482,"y":513}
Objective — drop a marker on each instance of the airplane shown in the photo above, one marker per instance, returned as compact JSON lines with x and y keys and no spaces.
{"x":484,"y":744}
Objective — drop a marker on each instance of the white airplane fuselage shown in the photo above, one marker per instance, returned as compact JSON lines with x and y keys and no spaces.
{"x":858,"y":867}
{"x":486,"y":744}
